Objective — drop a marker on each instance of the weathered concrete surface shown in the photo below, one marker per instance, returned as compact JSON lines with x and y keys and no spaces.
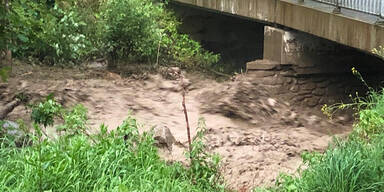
{"x":351,"y":29}
{"x":310,"y":71}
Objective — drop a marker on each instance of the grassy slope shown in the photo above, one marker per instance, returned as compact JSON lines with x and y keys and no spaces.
{"x":120,"y":161}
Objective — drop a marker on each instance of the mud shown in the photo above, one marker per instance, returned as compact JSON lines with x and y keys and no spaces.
{"x":257,"y":134}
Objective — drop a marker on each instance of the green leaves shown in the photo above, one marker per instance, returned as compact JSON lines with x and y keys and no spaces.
{"x":136,"y":28}
{"x":45,"y":112}
{"x":75,"y":120}
{"x":131,"y":30}
{"x":22,"y":38}
{"x":204,"y":169}
{"x":54,"y":34}
{"x":70,"y":32}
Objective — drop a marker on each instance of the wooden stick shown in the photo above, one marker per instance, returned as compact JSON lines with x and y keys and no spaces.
{"x":186,"y":114}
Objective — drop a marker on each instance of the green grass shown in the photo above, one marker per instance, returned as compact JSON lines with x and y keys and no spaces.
{"x":348,"y":167}
{"x":121,"y":160}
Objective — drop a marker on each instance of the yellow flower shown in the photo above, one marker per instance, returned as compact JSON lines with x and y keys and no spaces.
{"x":354,"y":71}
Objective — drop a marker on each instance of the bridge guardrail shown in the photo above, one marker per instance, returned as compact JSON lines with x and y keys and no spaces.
{"x":375,"y":7}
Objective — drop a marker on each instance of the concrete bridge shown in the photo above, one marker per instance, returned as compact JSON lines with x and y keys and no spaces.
{"x":354,"y":23}
{"x":302,"y":50}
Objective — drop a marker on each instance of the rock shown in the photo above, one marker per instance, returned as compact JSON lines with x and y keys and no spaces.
{"x":343,"y":119}
{"x":262,"y":65}
{"x":271,"y":102}
{"x":163,"y":137}
{"x":11,"y":128}
{"x":3,"y":85}
{"x":10,"y":125}
{"x":98,"y":64}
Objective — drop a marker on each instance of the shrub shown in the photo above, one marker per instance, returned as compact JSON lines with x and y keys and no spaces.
{"x":51,"y":34}
{"x":71,"y":31}
{"x":142,"y":29}
{"x":180,"y":49}
{"x":132,"y":29}
{"x":45,"y":112}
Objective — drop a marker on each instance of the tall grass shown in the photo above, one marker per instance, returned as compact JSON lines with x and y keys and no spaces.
{"x":121,"y":160}
{"x":347,"y":167}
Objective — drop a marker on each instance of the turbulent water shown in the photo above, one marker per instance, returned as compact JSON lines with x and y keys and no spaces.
{"x":257,"y":134}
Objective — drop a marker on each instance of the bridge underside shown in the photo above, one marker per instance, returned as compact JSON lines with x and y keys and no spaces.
{"x":299,"y":67}
{"x":350,"y":28}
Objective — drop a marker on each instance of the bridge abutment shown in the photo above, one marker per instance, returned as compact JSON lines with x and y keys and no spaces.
{"x":307,"y":70}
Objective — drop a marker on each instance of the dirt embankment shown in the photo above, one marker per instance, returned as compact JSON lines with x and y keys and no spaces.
{"x":257,"y":134}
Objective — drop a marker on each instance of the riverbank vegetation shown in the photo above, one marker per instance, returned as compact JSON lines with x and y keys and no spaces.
{"x":119,"y":160}
{"x":71,"y":32}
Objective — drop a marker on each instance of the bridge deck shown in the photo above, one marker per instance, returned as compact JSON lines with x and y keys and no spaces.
{"x":352,"y":28}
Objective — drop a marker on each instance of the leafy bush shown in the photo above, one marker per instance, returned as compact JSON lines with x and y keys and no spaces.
{"x":4,"y":34}
{"x":71,"y":31}
{"x":371,"y":117}
{"x":45,"y":112}
{"x":180,"y":48}
{"x":132,"y":29}
{"x":51,"y":34}
{"x":142,"y":29}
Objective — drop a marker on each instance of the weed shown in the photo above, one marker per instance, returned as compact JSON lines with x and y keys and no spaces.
{"x":45,"y":112}
{"x":379,"y":51}
{"x":75,"y":120}
{"x":204,"y":168}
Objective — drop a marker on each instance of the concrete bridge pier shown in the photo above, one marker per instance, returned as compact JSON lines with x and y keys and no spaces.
{"x":304,"y":54}
{"x":307,"y":70}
